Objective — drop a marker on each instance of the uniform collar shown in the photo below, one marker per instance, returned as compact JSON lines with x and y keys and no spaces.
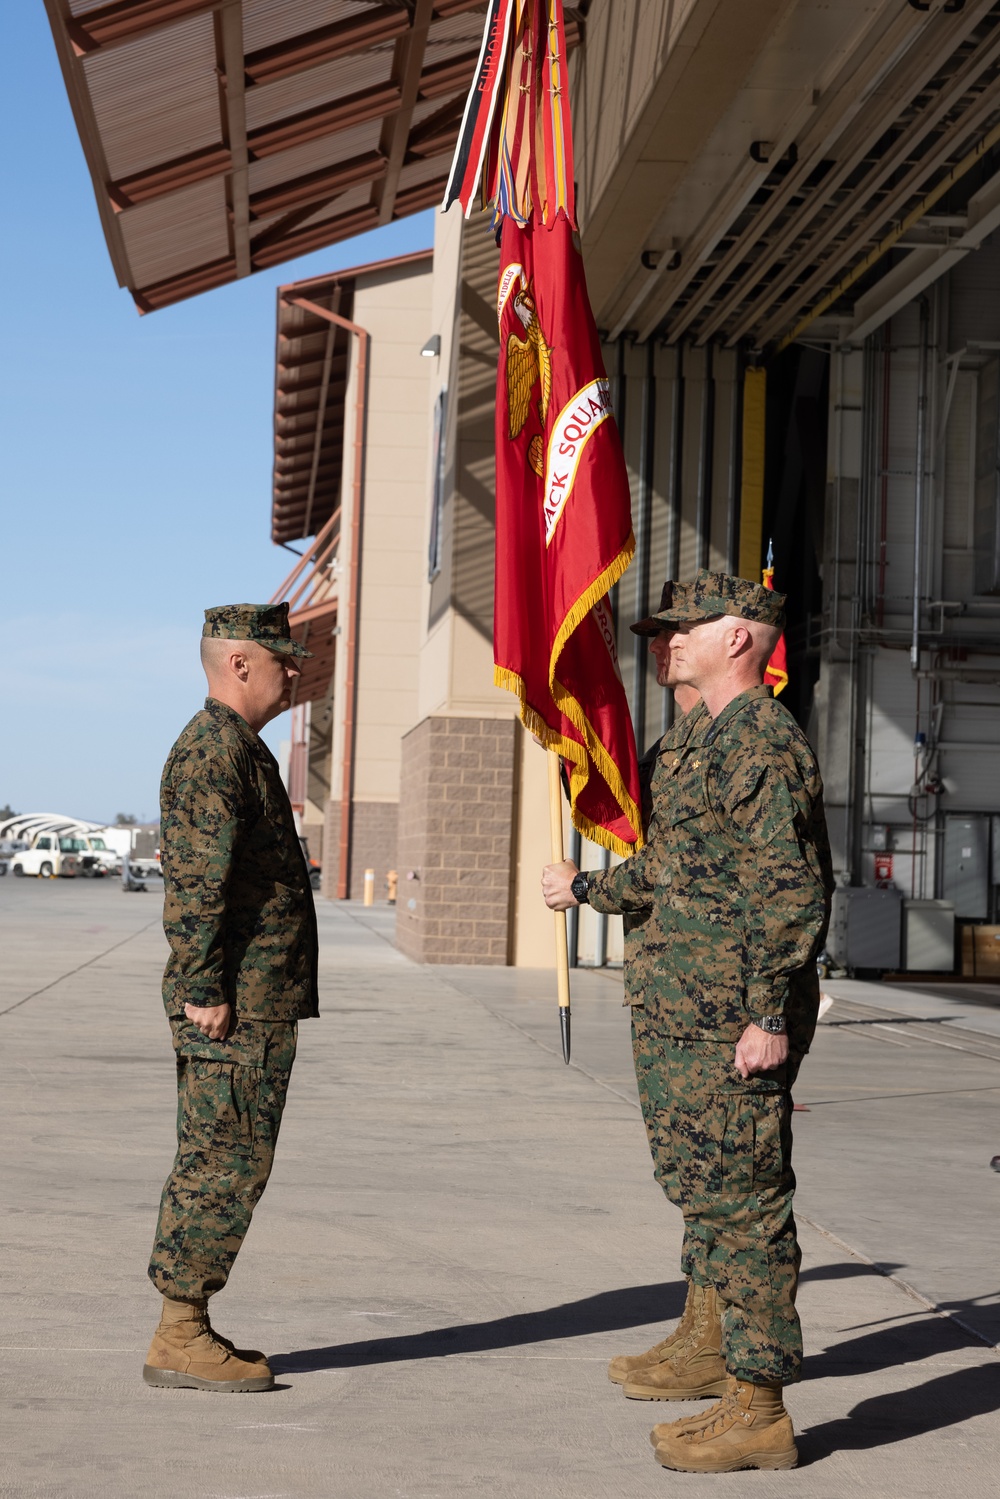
{"x":225,"y":714}
{"x":681,"y":729}
{"x":734,"y":707}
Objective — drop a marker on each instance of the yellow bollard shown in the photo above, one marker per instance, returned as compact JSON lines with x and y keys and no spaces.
{"x":369,"y":887}
{"x":391,"y":881}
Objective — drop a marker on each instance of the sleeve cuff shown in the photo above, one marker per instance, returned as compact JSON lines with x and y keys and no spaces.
{"x":599,"y":898}
{"x":205,"y":999}
{"x":767,"y":996}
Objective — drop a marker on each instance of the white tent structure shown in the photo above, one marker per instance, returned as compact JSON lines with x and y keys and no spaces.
{"x":26,"y":824}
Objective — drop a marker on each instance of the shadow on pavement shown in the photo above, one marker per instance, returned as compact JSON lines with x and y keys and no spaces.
{"x":889,"y":1347}
{"x":633,"y":1306}
{"x":843,"y":1270}
{"x":901,"y":1414}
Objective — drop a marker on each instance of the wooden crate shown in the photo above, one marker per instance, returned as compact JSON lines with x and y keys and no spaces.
{"x":981,"y":952}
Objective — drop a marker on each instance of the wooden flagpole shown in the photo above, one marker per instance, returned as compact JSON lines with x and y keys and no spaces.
{"x":562,"y":945}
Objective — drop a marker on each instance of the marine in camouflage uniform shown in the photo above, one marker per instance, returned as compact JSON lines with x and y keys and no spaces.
{"x":655,"y":782}
{"x":241,"y":924}
{"x":733,"y":886}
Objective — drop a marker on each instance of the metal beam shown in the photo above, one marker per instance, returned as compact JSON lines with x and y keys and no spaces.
{"x":291,"y":473}
{"x":123,"y":21}
{"x":187,"y":284}
{"x":90,"y":136}
{"x":315,"y":236}
{"x":900,"y":227}
{"x":921,"y":268}
{"x":421,"y":195}
{"x":371,"y":28}
{"x":169,"y":177}
{"x":324,"y":119}
{"x":331,"y":338}
{"x":297,"y":446}
{"x":454,"y":75}
{"x":229,"y":23}
{"x":881,"y":76}
{"x":847,"y":239}
{"x":889,"y":60}
{"x":289,"y":390}
{"x":408,"y":65}
{"x":888,"y":212}
{"x":316,"y":188}
{"x":436,"y":136}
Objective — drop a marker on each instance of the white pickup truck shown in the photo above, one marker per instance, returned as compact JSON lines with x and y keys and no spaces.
{"x":47,"y":855}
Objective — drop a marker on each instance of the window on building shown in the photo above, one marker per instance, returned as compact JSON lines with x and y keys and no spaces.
{"x":437,"y":487}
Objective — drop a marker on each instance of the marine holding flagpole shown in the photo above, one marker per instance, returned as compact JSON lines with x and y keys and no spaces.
{"x":733,"y":892}
{"x":727,"y":902}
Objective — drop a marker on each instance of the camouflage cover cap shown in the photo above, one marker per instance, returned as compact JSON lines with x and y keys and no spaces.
{"x":713,"y":594}
{"x":265,"y":623}
{"x":672,"y":594}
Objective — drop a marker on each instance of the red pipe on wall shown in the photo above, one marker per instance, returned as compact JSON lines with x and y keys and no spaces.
{"x":353,"y":578}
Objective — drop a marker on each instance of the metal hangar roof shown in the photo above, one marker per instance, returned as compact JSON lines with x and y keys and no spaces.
{"x":225,"y":136}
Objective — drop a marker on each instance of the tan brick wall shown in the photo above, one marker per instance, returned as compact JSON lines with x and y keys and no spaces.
{"x":374,"y":831}
{"x":374,"y":828}
{"x":456,"y":822}
{"x":331,"y":849}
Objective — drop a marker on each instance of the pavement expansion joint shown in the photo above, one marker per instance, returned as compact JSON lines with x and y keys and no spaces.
{"x":850,"y":1014}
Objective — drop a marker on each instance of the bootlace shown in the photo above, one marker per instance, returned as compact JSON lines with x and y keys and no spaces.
{"x":700,"y":1320}
{"x":715,"y":1419}
{"x":203,"y":1329}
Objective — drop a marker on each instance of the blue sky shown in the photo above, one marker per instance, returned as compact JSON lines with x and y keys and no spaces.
{"x":136,"y":466}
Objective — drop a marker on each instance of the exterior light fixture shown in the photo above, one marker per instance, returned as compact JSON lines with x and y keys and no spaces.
{"x":432,"y":347}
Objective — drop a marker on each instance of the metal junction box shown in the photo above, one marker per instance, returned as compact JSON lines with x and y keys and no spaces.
{"x":967,"y":866}
{"x":928,"y":936}
{"x":865,"y":928}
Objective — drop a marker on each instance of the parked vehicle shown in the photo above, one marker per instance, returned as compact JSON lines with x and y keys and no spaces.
{"x":49,"y":856}
{"x":313,"y":865}
{"x":96,"y":859}
{"x":8,"y":848}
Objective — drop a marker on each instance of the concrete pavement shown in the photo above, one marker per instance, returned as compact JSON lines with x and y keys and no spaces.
{"x":460,"y":1232}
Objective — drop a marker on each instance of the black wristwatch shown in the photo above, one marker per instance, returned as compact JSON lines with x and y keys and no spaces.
{"x":773,"y":1024}
{"x":580,"y":889}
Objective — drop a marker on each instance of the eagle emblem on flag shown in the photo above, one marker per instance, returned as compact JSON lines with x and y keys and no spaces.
{"x":529,"y":363}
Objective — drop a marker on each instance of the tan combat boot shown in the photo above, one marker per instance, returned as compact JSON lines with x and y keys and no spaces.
{"x":697,"y":1370}
{"x":692,"y":1422}
{"x":625,"y":1364}
{"x":186,"y":1354}
{"x":748,"y":1428}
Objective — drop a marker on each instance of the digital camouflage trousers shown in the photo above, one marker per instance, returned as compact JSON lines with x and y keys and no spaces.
{"x":230,"y":1098}
{"x":722,"y":1152}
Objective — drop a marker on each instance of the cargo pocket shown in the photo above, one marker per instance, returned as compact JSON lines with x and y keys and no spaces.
{"x":771,"y":1139}
{"x":245,"y":1046}
{"x":737,"y":1144}
{"x":220,"y":1101}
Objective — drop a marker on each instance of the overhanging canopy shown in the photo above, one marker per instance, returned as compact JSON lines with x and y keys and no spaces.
{"x":311,"y":368}
{"x":225,"y":136}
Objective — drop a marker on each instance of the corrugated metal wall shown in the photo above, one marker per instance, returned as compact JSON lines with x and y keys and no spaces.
{"x":918,"y":757}
{"x":678,"y":411}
